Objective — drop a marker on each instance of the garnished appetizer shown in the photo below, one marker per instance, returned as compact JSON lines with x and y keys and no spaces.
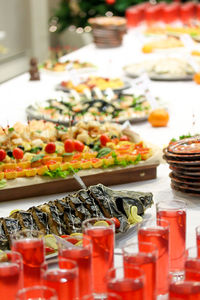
{"x":45,"y":149}
{"x":58,"y":66}
{"x":92,"y":82}
{"x":119,"y":109}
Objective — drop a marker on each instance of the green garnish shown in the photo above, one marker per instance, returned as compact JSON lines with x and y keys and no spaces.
{"x":138,"y":159}
{"x":35,"y":150}
{"x":11,"y":129}
{"x":3,"y":183}
{"x":103,"y":152}
{"x":61,"y":128}
{"x":37,"y":157}
{"x":68,"y":154}
{"x":60,"y":173}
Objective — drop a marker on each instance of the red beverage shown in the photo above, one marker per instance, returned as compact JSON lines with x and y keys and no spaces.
{"x":198,"y":11}
{"x":151,"y":14}
{"x":184,"y":290}
{"x":159,"y":236}
{"x":129,"y":285}
{"x":187,"y":12}
{"x":192,"y":269}
{"x":133,"y":16}
{"x":103,"y":297}
{"x":102,"y":238}
{"x":64,"y":284}
{"x":148,"y":265}
{"x":9,"y":280}
{"x":171,"y":12}
{"x":37,"y":292}
{"x":10,"y":274}
{"x":32,"y":251}
{"x":198,"y":240}
{"x":177,"y":235}
{"x":82,"y":255}
{"x":62,"y":277}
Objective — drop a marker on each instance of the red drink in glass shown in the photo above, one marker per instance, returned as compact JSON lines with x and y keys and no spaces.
{"x":198,"y":241}
{"x":82,"y":255}
{"x":198,"y":11}
{"x":184,"y":290}
{"x":32,"y":251}
{"x":61,"y":276}
{"x":171,"y":12}
{"x":102,"y":297}
{"x":192,"y":265}
{"x":159,"y":236}
{"x":145,"y":259}
{"x":128,"y":284}
{"x":174,"y":212}
{"x":133,"y":16}
{"x":187,"y":12}
{"x":102,"y":238}
{"x":10,"y":274}
{"x":37,"y":293}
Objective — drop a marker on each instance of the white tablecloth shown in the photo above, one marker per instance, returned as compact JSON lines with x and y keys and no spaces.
{"x":181,"y":98}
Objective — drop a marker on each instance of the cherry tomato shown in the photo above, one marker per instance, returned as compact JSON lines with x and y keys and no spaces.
{"x":50,"y":148}
{"x":79,"y":146}
{"x":124,"y":138}
{"x":2,"y":154}
{"x":104,"y":139}
{"x":116,"y":221}
{"x":69,"y":146}
{"x":18,"y":153}
{"x":49,"y":250}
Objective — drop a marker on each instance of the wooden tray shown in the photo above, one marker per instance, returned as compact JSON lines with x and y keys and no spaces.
{"x":31,"y":187}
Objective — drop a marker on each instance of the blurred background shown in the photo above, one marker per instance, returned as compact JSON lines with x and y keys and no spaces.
{"x":51,"y":28}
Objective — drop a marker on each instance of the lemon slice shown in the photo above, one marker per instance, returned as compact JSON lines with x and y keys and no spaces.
{"x":79,"y":243}
{"x":50,"y":241}
{"x":134,"y":217}
{"x":101,"y":223}
{"x":3,"y":256}
{"x":76,"y":234}
{"x":13,"y":211}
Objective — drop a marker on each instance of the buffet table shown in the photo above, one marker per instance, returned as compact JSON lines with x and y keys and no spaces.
{"x":180,"y":98}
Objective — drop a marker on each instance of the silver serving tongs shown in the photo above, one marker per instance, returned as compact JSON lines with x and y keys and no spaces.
{"x":79,"y":180}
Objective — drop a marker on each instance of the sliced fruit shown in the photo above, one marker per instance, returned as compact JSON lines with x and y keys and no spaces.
{"x":80,"y":243}
{"x":134,"y":217}
{"x":76,"y":234}
{"x":13,"y":211}
{"x":101,"y":223}
{"x":3,"y":256}
{"x":50,"y":241}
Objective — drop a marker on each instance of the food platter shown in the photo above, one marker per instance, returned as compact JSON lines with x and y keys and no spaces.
{"x":107,"y":153}
{"x":163,"y":69}
{"x":65,"y":216}
{"x":123,"y":107}
{"x":123,"y":85}
{"x":57,"y":67}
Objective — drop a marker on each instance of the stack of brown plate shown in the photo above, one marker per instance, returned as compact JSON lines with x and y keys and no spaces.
{"x":108,"y":32}
{"x":183,"y":158}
